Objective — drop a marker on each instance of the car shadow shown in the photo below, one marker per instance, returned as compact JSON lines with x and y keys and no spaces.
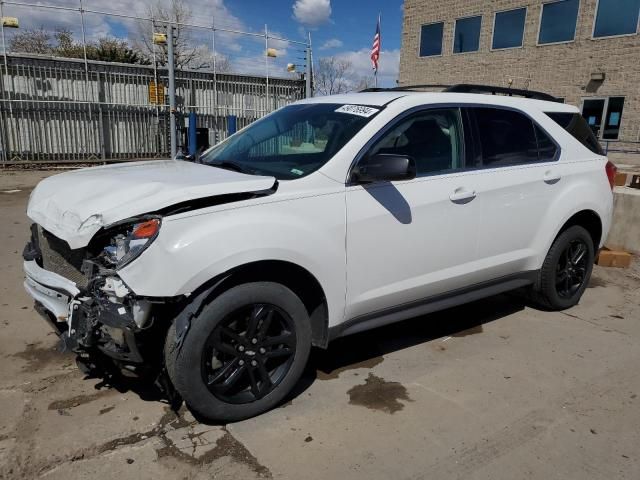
{"x":387,"y":195}
{"x":361,"y":350}
{"x":367,"y":349}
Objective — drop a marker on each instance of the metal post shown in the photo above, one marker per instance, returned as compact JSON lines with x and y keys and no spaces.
{"x":88,"y":80}
{"x":172,"y":91}
{"x":158,"y":141}
{"x":193,"y":136}
{"x":309,"y":71}
{"x":215,"y":77}
{"x":5,"y":140}
{"x":266,"y":64}
{"x":308,"y":93}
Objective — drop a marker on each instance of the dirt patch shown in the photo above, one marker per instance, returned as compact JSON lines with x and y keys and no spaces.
{"x":469,"y":331}
{"x":38,"y":357}
{"x":78,"y":400}
{"x":335,"y":373}
{"x":378,"y":394}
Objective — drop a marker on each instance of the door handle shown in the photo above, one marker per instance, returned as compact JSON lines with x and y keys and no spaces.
{"x":551,"y":178}
{"x":462,"y":196}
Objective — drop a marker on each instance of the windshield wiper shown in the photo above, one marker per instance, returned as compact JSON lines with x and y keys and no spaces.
{"x":227,"y":165}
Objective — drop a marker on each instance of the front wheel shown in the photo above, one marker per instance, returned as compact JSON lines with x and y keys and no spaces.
{"x":566,"y":270}
{"x":243,"y":353}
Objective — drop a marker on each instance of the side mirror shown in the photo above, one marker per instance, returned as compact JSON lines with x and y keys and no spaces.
{"x":384,"y":167}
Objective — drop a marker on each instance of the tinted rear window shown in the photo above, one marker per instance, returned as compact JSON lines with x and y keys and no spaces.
{"x":506,"y":137}
{"x":578,"y":127}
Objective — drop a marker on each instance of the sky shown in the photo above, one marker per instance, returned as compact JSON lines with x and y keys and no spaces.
{"x":340,"y":28}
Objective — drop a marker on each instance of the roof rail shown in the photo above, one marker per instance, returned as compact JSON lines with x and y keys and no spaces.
{"x":471,"y":88}
{"x":493,"y":90}
{"x":404,"y":88}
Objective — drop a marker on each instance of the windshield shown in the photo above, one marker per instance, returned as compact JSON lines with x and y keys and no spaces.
{"x":291,"y":142}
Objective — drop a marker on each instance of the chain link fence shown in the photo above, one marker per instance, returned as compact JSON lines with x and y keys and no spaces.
{"x":55,"y":109}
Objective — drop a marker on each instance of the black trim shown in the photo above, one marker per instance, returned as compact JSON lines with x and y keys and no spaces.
{"x":471,"y":88}
{"x":493,"y":90}
{"x":472,"y":136}
{"x":433,"y":303}
{"x":471,"y":111}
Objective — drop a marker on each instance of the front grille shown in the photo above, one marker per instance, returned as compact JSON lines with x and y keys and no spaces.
{"x":57,"y":257}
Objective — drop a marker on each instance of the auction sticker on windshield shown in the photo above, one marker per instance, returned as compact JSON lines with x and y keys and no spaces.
{"x":359,"y":110}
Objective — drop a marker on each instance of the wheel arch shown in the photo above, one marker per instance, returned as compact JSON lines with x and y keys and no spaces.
{"x":590,"y":221}
{"x":298,"y":279}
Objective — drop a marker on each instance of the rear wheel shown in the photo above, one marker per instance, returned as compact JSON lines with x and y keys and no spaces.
{"x":243,"y":353}
{"x":566,"y":270}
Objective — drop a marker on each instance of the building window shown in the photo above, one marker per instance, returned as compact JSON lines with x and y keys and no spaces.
{"x":558,"y":21}
{"x":467,"y":35}
{"x":616,"y":17}
{"x":612,"y":120}
{"x":604,"y":116}
{"x":508,"y":28}
{"x":431,"y":39}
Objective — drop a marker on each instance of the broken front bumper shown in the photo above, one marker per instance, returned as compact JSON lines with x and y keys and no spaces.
{"x":87,"y":322}
{"x":51,"y":292}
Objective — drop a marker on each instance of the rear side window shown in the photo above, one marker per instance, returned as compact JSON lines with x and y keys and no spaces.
{"x":507,"y":137}
{"x":547,"y":149}
{"x":577,"y":126}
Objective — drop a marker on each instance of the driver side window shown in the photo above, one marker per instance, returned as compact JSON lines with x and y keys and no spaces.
{"x":433,"y":138}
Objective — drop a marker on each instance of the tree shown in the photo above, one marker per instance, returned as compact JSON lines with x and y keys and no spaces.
{"x":176,"y":12}
{"x":109,"y":49}
{"x":332,"y":76}
{"x":32,"y":41}
{"x":62,"y":44}
{"x":66,"y":46}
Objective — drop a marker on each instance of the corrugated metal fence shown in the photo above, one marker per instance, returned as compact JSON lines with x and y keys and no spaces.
{"x":56,"y":110}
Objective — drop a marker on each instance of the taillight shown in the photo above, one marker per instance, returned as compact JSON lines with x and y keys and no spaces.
{"x":611,"y":170}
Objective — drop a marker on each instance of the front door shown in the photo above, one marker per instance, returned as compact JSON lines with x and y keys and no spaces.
{"x":409,"y":240}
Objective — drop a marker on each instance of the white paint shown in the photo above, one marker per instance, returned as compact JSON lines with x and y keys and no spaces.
{"x":364,"y":256}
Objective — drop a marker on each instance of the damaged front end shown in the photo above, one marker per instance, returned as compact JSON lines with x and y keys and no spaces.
{"x":96,"y":315}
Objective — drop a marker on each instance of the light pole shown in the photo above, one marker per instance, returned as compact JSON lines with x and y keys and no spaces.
{"x":172,"y":91}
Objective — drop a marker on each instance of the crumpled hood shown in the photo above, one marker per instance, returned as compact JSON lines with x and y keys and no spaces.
{"x":75,"y":205}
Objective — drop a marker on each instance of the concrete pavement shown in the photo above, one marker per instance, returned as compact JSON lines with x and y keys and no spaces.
{"x":491,"y":390}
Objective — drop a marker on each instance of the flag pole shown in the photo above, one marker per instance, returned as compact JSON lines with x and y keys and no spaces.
{"x":375,"y":75}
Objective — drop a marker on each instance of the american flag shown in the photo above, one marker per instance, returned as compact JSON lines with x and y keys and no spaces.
{"x":375,"y":49}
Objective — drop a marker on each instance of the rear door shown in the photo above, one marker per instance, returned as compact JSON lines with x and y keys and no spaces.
{"x":518,"y":178}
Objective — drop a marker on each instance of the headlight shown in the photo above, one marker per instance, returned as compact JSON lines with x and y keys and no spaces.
{"x":130,"y":240}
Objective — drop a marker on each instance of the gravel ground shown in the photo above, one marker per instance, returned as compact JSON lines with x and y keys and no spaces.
{"x":491,"y":390}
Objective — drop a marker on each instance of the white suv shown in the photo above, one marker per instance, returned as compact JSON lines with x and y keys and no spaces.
{"x":325,"y":218}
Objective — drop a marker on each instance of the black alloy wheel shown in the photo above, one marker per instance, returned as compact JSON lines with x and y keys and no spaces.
{"x":248,"y":353}
{"x":572,"y":268}
{"x":566,"y":270}
{"x":243,"y":353}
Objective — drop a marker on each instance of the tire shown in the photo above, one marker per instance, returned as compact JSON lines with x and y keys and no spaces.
{"x":226,"y":344}
{"x":552,"y":293}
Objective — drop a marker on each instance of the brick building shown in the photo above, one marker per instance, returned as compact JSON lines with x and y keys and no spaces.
{"x":584,"y":51}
